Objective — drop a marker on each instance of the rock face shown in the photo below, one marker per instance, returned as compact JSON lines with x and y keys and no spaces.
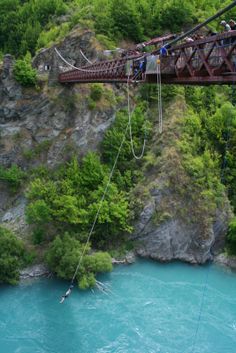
{"x":45,"y":125}
{"x":175,"y":239}
{"x":175,"y":222}
{"x":39,"y":270}
{"x":228,"y":261}
{"x":58,"y":114}
{"x":75,"y":48}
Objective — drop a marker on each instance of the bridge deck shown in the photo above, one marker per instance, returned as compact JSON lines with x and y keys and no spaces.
{"x":211,"y":60}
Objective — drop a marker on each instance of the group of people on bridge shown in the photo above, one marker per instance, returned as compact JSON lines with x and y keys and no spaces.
{"x":231,"y":26}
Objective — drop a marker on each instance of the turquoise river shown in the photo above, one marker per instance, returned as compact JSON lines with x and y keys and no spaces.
{"x":151,"y":308}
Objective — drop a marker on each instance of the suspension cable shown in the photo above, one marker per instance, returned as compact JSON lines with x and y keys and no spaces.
{"x":96,"y":216}
{"x":85,"y":57}
{"x":85,"y":70}
{"x":130,"y":128}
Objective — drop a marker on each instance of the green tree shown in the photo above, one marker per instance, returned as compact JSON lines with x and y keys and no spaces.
{"x":63,"y":257}
{"x":13,"y":176}
{"x":126,"y":20}
{"x":176,"y":14}
{"x":24,"y":73}
{"x":71,"y":199}
{"x":12,"y":256}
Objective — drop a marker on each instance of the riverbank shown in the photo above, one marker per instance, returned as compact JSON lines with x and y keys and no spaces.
{"x":41,"y":270}
{"x":228,"y":261}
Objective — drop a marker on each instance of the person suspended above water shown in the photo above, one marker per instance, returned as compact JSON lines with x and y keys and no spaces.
{"x":68,"y":292}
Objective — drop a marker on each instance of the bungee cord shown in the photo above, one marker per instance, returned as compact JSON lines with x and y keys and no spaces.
{"x":159,"y":92}
{"x":130,"y":129}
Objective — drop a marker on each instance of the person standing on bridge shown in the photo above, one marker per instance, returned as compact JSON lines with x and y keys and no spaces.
{"x":226,"y":26}
{"x":232,"y":24}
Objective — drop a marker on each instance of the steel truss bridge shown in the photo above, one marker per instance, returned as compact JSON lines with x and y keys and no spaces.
{"x":211,"y":60}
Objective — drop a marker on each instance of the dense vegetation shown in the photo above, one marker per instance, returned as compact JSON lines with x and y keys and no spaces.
{"x":215,"y":119}
{"x":26,"y":25}
{"x":63,"y":203}
{"x":62,"y":257}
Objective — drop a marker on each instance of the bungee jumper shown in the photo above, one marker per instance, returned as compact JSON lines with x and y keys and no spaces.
{"x":68,"y":292}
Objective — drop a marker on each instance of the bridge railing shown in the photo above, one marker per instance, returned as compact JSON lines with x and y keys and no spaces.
{"x":211,"y":56}
{"x":104,"y":71}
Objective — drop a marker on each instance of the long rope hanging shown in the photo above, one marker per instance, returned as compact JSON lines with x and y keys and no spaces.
{"x":159,"y":93}
{"x":96,"y":216}
{"x":130,"y":128}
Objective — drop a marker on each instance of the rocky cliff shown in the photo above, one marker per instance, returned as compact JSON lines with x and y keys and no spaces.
{"x":175,"y":222}
{"x":45,"y":125}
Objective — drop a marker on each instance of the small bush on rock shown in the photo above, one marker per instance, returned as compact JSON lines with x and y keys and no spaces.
{"x":24,"y":73}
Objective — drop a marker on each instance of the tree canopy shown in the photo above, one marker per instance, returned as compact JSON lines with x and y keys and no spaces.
{"x":64,"y":254}
{"x":30,"y":24}
{"x":12,"y":256}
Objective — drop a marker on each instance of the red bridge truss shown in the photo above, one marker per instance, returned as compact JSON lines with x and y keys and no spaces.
{"x":211,"y":60}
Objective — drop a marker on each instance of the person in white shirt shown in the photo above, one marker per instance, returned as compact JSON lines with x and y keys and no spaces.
{"x":226,"y":26}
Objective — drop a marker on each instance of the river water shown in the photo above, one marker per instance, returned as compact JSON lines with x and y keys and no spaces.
{"x":152,"y":308}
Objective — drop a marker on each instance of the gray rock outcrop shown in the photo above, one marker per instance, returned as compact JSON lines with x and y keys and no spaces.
{"x":226,"y":260}
{"x":175,"y":239}
{"x":34,"y":271}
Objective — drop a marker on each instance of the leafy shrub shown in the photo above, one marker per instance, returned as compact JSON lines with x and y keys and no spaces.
{"x":63,"y":257}
{"x":96,"y":91}
{"x":38,"y":236}
{"x":106,"y":42}
{"x":56,"y":33}
{"x":38,"y":212}
{"x":24,"y":73}
{"x":13,"y":176}
{"x":91,"y":104}
{"x":12,"y":256}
